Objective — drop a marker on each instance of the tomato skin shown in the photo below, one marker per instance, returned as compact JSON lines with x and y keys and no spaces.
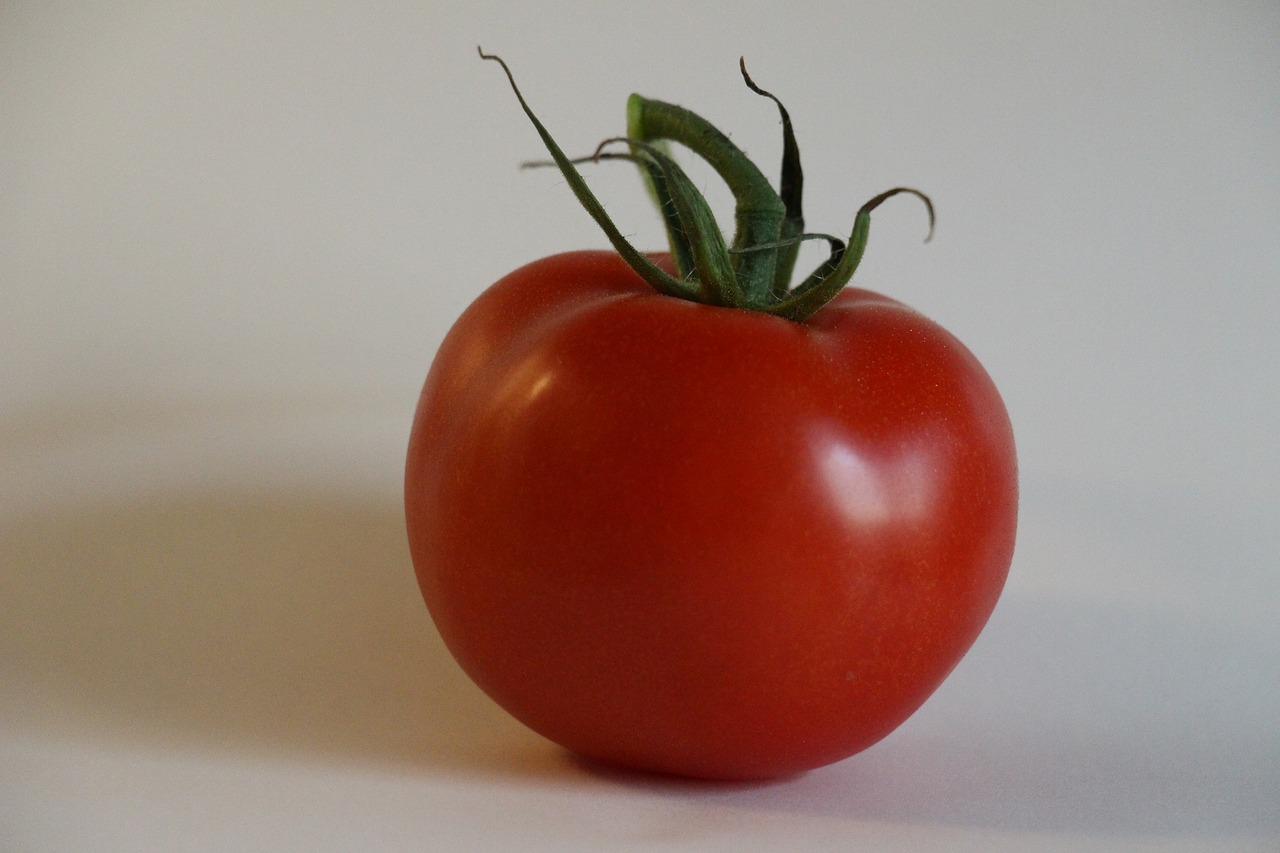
{"x":700,"y":540}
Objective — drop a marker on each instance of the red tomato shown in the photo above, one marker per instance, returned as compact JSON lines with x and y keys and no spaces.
{"x":703,"y":540}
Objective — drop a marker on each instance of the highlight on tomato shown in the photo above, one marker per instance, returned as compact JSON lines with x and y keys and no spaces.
{"x":680,"y":513}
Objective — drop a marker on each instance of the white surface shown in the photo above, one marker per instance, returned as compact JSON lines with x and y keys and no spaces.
{"x":231,"y":238}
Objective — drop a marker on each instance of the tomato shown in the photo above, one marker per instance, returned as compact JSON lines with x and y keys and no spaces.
{"x":704,"y":540}
{"x":676,"y":513}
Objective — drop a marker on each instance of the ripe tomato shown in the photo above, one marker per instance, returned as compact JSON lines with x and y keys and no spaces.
{"x":705,"y":540}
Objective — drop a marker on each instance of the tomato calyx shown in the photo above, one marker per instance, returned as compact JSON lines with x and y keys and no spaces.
{"x":754,"y":270}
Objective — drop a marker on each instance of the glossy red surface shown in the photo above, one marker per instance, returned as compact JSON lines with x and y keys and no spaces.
{"x":699,"y":540}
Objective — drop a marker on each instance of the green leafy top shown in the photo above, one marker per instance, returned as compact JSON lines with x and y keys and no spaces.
{"x":754,"y":271}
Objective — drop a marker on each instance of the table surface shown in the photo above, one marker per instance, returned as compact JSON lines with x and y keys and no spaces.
{"x":230,"y":241}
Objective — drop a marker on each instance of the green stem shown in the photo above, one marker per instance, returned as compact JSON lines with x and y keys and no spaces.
{"x":819,"y":289}
{"x":712,"y":262}
{"x":658,"y":278}
{"x":754,"y":272}
{"x":759,"y":212}
{"x":790,"y":189}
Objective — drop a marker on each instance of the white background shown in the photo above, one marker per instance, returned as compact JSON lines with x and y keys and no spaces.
{"x":232,"y":235}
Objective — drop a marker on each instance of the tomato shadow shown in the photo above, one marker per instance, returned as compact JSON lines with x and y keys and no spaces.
{"x":261,"y":622}
{"x":666,"y":783}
